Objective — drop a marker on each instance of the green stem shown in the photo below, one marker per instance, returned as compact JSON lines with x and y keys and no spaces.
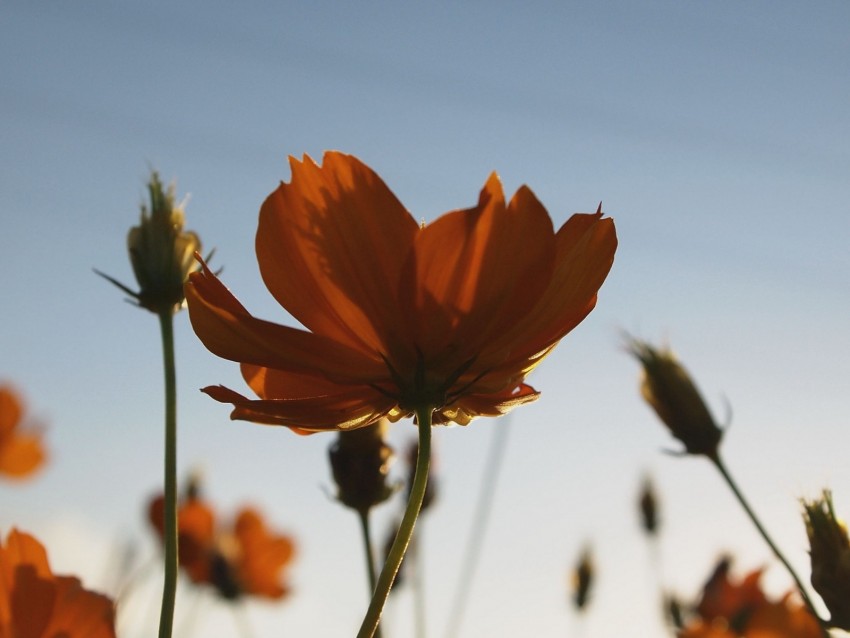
{"x":718,"y":463}
{"x":405,"y":530}
{"x":370,"y":555}
{"x":418,"y":583}
{"x":367,"y":547}
{"x":169,"y":590}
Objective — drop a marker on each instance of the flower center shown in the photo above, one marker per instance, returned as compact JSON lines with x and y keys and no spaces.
{"x":418,"y":391}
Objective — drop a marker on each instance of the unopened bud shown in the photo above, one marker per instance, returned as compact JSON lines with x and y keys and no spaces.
{"x":830,"y":556}
{"x":360,"y":461}
{"x":161,"y":252}
{"x":668,"y":388}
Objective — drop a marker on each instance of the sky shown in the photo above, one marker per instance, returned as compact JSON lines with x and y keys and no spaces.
{"x":715,"y":134}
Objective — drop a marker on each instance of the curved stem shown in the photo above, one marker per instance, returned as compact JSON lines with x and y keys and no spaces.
{"x":370,"y":555}
{"x":718,"y":463}
{"x":405,"y":530}
{"x":169,"y":590}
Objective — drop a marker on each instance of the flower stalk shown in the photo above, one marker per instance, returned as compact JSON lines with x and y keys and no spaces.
{"x":169,"y":590}
{"x":724,"y":472}
{"x":365,"y":529}
{"x":405,"y":530}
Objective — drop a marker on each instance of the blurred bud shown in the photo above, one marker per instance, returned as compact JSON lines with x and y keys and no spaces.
{"x":648,"y":504}
{"x":582,"y":579}
{"x":830,"y":555}
{"x":161,"y":252}
{"x":668,"y":388}
{"x":673,"y":611}
{"x":360,"y":461}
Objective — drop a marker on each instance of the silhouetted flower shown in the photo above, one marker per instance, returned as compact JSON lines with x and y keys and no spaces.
{"x":35,"y":603}
{"x":161,"y":252}
{"x":671,"y":392}
{"x":451,"y":316}
{"x":21,"y":449}
{"x":830,"y":555}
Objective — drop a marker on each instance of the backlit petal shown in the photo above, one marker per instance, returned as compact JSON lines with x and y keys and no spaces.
{"x":263,"y":556}
{"x":355,"y":408}
{"x":79,"y":613}
{"x":330,"y":245}
{"x":35,"y":604}
{"x":23,"y":549}
{"x":20,"y":454}
{"x":11,"y":410}
{"x":585,"y":247}
{"x":474,"y":273}
{"x":229,"y":331}
{"x":474,"y":405}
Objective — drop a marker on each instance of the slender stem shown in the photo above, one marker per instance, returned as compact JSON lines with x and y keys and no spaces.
{"x":718,"y":463}
{"x":405,"y":530}
{"x":370,"y":555}
{"x":418,"y":582}
{"x":367,"y":547}
{"x":475,"y":540}
{"x":169,"y":590}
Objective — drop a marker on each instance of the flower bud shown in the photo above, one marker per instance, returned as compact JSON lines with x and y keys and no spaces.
{"x":360,"y":461}
{"x":669,"y":390}
{"x":648,"y":505}
{"x":582,"y":580}
{"x":161,"y":252}
{"x":830,"y":556}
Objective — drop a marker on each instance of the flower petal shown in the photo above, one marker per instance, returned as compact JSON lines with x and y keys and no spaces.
{"x":229,"y":331}
{"x":474,"y":273}
{"x":23,"y":549}
{"x":79,"y":613}
{"x":330,"y":245}
{"x":357,"y":407}
{"x":20,"y":454}
{"x":263,"y":556}
{"x":474,"y":405}
{"x":269,"y":383}
{"x":11,"y":410}
{"x":585,"y":247}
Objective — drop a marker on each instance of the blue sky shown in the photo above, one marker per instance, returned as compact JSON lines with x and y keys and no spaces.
{"x":716,"y":134}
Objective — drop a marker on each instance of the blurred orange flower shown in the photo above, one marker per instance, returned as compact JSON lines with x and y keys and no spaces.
{"x":36,"y":604}
{"x":451,"y":316}
{"x":731,"y":609}
{"x":245,"y":560}
{"x":21,"y":449}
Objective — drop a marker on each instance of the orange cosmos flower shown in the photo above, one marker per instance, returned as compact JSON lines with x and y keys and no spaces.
{"x":36,"y":604}
{"x":450,"y":316}
{"x":245,"y":560}
{"x":21,"y":449}
{"x":730,"y":609}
